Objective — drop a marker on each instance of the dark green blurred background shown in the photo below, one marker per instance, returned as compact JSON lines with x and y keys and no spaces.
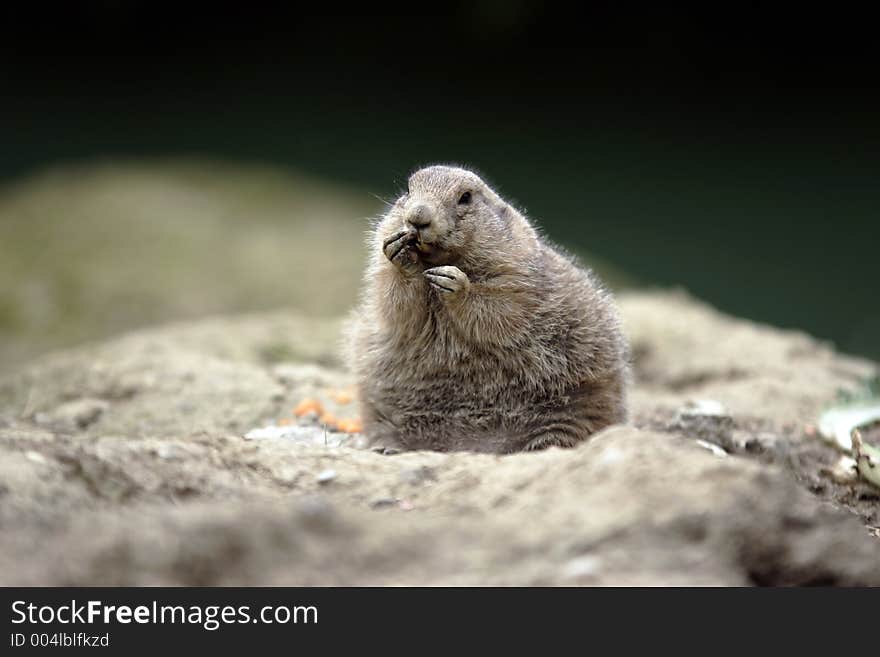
{"x":734,"y":154}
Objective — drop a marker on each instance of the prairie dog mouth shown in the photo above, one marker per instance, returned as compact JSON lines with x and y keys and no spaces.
{"x":431,"y":254}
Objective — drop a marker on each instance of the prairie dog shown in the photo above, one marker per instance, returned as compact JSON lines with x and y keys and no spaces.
{"x":474,"y":333}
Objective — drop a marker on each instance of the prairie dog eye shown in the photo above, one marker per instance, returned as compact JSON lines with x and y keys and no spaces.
{"x":465,"y":198}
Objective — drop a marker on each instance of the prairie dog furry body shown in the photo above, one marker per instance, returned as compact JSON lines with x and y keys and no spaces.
{"x":474,"y":333}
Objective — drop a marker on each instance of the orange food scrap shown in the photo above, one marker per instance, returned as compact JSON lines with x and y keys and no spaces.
{"x":343,"y":397}
{"x":329,"y":419}
{"x":307,"y":406}
{"x":350,"y":425}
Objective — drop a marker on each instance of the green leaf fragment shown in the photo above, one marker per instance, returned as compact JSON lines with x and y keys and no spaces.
{"x":836,"y":424}
{"x":867,"y":458}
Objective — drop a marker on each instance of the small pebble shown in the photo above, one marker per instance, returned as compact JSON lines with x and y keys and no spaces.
{"x":700,"y":407}
{"x":326,"y":476}
{"x":843,"y":471}
{"x":384,"y":502}
{"x":763,"y":442}
{"x":706,"y":419}
{"x":581,"y":567}
{"x":36,"y":457}
{"x":715,"y":449}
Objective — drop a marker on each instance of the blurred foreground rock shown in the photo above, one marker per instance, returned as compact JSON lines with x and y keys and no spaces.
{"x":124,"y":463}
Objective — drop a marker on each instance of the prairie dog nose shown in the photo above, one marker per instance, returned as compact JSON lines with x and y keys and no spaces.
{"x":420,"y":215}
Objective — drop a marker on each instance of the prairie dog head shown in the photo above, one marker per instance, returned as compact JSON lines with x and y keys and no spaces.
{"x":446,"y":214}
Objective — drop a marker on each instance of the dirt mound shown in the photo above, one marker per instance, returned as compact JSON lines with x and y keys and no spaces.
{"x":124,"y":463}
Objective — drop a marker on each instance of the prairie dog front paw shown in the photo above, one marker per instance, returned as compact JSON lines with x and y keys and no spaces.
{"x":448,"y":281}
{"x":399,"y":250}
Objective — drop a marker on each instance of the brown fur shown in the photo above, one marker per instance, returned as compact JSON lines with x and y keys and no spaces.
{"x":479,"y":335}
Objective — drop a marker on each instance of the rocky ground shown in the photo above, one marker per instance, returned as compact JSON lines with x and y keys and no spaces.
{"x":125,"y":462}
